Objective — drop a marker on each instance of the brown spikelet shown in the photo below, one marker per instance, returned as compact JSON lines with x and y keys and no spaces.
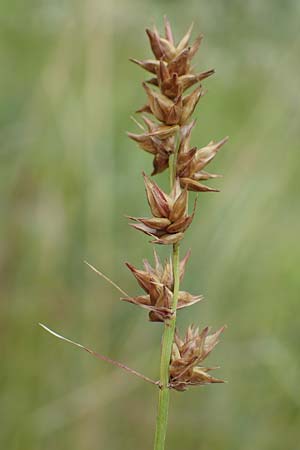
{"x":191,"y":163}
{"x":171,"y":218}
{"x":188,"y":354}
{"x":158,"y":284}
{"x":159,"y":140}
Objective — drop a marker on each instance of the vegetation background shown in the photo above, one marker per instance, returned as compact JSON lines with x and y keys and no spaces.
{"x":68,"y":175}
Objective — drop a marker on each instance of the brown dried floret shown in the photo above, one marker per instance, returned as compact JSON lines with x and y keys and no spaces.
{"x":188,"y":354}
{"x":158,"y":283}
{"x":170,"y":218}
{"x":158,"y":140}
{"x":192,"y":161}
{"x":172,"y":66}
{"x":171,"y":111}
{"x":171,"y":84}
{"x":165,"y":49}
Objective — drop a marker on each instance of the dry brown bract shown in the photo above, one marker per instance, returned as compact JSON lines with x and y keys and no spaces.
{"x":158,"y":283}
{"x":188,"y":354}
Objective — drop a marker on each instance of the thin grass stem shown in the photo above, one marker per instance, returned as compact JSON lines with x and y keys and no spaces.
{"x":167,"y":339}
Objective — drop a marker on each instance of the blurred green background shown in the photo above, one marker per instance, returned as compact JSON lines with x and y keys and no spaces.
{"x":69,"y":175}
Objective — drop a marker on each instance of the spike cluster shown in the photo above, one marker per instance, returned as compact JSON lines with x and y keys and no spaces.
{"x":192,"y":161}
{"x":158,"y":283}
{"x":170,"y":218}
{"x":188,"y":354}
{"x":167,"y":135}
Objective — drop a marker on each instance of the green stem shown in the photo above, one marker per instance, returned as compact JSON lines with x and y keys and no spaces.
{"x":167,"y":342}
{"x":173,"y":162}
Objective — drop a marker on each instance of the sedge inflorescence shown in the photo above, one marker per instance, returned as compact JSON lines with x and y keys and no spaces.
{"x":172,"y":94}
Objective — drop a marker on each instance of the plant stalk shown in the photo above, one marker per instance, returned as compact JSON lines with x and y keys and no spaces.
{"x":167,"y":341}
